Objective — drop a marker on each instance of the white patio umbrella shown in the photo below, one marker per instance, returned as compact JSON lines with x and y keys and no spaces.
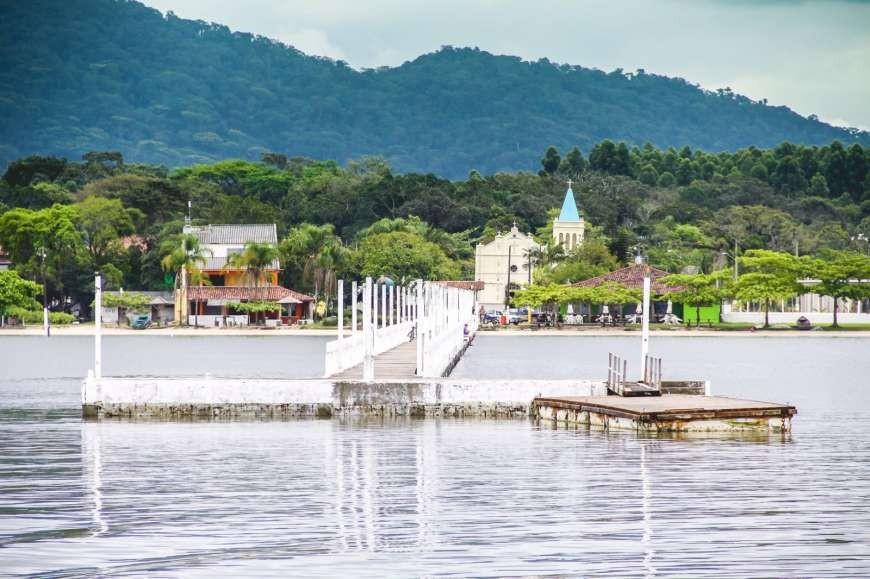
{"x":639,"y":309}
{"x":605,"y":309}
{"x":670,"y":307}
{"x":570,"y":309}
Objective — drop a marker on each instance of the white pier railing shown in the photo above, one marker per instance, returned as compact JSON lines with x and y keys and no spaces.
{"x":441,"y":318}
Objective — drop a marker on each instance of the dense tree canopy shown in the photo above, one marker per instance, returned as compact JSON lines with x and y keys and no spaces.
{"x":178,"y":92}
{"x":125,"y":219}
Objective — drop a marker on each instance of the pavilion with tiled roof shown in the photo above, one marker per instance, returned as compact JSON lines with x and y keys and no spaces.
{"x":215,"y":303}
{"x":631,"y":277}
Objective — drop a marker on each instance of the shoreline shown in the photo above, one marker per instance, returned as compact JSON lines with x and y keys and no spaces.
{"x":87,"y":330}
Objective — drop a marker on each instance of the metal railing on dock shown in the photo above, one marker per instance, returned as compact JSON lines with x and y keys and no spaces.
{"x":616,"y":371}
{"x":652,"y":371}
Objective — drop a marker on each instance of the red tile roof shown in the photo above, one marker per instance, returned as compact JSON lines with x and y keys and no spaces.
{"x":238,"y":293}
{"x":631,"y":277}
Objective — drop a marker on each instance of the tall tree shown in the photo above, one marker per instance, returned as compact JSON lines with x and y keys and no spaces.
{"x":550,"y":162}
{"x":770,"y":275}
{"x":312,"y":254}
{"x":841,"y":274}
{"x":696,"y":290}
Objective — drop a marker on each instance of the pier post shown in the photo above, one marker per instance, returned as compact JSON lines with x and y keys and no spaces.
{"x":368,"y":332}
{"x":390,"y":303}
{"x":418,"y":315}
{"x":644,"y":327}
{"x":353,"y":290}
{"x":383,"y":305}
{"x":98,"y":326}
{"x":340,"y":324}
{"x":374,"y":305}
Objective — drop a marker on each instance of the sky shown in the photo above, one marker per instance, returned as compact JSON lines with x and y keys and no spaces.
{"x":810,"y":55}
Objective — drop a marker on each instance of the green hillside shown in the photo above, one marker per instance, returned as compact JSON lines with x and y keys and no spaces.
{"x":95,"y":75}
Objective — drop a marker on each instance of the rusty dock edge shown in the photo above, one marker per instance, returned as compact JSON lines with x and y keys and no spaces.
{"x":668,"y":413}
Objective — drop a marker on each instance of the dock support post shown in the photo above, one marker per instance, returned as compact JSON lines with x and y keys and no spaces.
{"x":98,"y":326}
{"x":368,"y":332}
{"x":644,"y":327}
{"x":384,"y":305}
{"x":391,"y":303}
{"x":340,"y":324}
{"x":418,"y":307}
{"x":353,"y":290}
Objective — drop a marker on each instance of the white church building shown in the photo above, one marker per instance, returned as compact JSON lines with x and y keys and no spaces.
{"x":507,"y":262}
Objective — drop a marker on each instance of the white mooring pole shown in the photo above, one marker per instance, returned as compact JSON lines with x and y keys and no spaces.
{"x":418,"y":320}
{"x":368,"y":332}
{"x":644,"y":327}
{"x":353,"y":290}
{"x":340,"y":324}
{"x":98,"y":326}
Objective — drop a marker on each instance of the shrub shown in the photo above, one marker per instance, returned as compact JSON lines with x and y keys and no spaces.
{"x":35,"y":316}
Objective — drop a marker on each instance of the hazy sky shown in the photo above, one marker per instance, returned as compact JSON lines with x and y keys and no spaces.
{"x":810,"y":55}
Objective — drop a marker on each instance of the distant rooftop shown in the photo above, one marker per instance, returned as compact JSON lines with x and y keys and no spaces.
{"x":234,"y":234}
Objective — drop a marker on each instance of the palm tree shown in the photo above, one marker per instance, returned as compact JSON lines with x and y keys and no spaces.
{"x":318,"y":253}
{"x":184,"y":257}
{"x":255,"y":259}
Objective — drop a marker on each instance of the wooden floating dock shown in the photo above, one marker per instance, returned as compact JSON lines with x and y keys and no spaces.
{"x":666,"y":413}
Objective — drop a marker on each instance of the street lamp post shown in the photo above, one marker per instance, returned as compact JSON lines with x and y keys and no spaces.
{"x":46,"y":322}
{"x":733,"y":257}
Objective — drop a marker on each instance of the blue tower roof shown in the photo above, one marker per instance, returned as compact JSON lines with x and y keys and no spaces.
{"x":569,"y":207}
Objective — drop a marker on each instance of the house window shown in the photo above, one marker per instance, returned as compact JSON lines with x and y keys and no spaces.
{"x":217,"y":280}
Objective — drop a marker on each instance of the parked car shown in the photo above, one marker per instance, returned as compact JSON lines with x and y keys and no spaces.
{"x":140,"y":322}
{"x":515,"y":316}
{"x":492,"y":318}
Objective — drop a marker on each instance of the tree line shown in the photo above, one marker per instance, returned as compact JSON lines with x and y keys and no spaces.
{"x":61,"y":220}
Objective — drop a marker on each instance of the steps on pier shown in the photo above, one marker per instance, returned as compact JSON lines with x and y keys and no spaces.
{"x":398,"y":363}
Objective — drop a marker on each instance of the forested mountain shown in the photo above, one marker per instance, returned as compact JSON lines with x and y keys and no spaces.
{"x":97,"y":75}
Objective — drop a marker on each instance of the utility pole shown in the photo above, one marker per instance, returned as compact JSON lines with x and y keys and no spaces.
{"x":507,"y":289}
{"x":735,"y":259}
{"x":46,"y":320}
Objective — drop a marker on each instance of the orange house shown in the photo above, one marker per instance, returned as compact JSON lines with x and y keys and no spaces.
{"x":212,"y":304}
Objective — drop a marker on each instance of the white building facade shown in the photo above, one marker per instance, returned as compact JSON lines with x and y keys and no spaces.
{"x":505,"y":262}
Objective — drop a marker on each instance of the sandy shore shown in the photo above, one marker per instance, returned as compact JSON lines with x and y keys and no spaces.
{"x":88,"y":330}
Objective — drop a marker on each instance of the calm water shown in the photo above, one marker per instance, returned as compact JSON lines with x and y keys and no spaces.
{"x":430,"y":497}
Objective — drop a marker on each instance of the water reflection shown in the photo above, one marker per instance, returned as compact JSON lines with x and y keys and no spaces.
{"x":92,"y":472}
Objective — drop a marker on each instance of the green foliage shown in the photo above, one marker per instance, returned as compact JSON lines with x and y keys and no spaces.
{"x":197,"y":92}
{"x":312,"y":255}
{"x":17,"y":293}
{"x":31,"y":316}
{"x":696,"y":290}
{"x":771,"y":276}
{"x":255,"y":307}
{"x":132,"y":301}
{"x":841,"y":274}
{"x":403,"y":256}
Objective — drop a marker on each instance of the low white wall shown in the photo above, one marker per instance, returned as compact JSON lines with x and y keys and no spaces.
{"x":205,"y":390}
{"x":217,"y":321}
{"x":142,"y":392}
{"x":792,"y":317}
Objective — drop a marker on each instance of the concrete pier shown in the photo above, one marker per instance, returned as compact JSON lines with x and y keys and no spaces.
{"x":209,"y":397}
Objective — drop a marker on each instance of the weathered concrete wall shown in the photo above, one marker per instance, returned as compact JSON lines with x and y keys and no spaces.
{"x":224,"y":397}
{"x":567,"y":416}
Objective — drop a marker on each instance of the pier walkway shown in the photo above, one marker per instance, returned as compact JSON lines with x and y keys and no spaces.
{"x":442,"y":317}
{"x":395,"y":364}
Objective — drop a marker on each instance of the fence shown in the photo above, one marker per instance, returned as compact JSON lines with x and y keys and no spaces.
{"x":652,"y":372}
